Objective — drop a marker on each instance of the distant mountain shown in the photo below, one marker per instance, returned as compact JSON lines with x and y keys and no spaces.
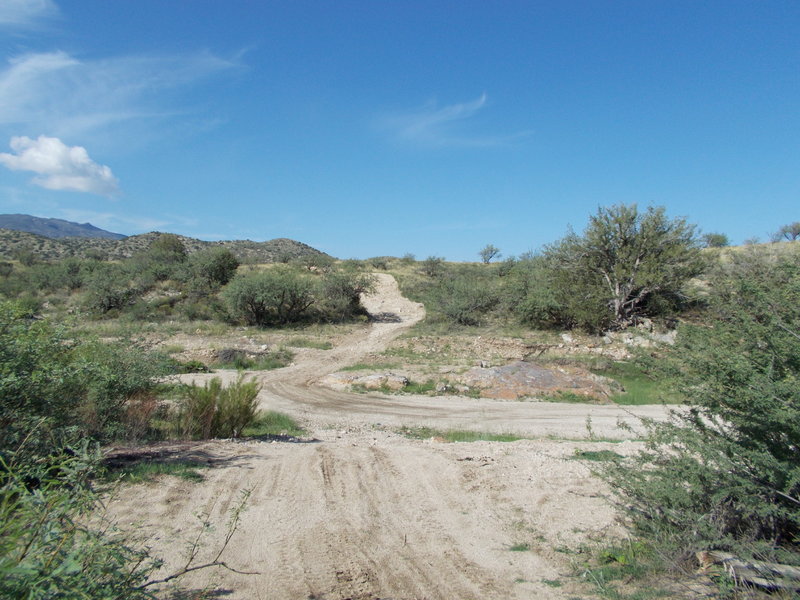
{"x":55,"y":228}
{"x":47,"y":248}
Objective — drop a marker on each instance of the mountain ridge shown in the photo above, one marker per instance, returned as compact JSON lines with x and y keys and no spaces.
{"x":13,"y":241}
{"x":54,"y":228}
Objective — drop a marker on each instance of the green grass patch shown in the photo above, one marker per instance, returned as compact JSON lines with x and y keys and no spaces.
{"x":414,"y":387}
{"x":303,"y":342}
{"x":570,"y":398}
{"x":633,"y":564}
{"x":139,"y":472}
{"x":554,"y":583}
{"x":424,"y":433}
{"x":524,"y":547}
{"x":273,"y":423}
{"x":373,"y":367}
{"x":266,"y":362}
{"x":640,"y":387}
{"x":596,"y":455}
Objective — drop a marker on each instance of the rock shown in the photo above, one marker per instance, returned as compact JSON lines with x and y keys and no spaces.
{"x":567,"y":338}
{"x":374,"y":381}
{"x":520,"y":379}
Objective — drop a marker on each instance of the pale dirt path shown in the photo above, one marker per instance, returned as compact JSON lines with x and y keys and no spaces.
{"x":291,"y":389}
{"x":363,"y":513}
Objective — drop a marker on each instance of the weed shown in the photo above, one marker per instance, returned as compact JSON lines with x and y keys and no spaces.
{"x":523,"y":547}
{"x":173,"y":349}
{"x":424,"y":433}
{"x":303,"y":342}
{"x":147,"y":471}
{"x":628,"y":562}
{"x":414,"y":387}
{"x":274,"y":424}
{"x":596,"y":455}
{"x":214,"y":411}
{"x":240,"y":360}
{"x":555,"y":583}
{"x":373,"y":367}
{"x":570,"y":398}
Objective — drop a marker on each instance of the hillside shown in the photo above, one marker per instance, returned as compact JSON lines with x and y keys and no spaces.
{"x":47,"y":248}
{"x":54,"y":228}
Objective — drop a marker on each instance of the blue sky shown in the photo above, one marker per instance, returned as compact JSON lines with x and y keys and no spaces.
{"x":368,"y":128}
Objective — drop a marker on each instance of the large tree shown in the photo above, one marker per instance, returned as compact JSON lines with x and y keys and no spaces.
{"x":622,"y":265}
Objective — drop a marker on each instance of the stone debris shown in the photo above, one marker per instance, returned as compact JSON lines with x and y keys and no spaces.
{"x":373,"y":381}
{"x":524,"y":379}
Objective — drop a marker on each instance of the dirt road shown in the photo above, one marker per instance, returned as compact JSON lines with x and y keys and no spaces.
{"x":360,"y":512}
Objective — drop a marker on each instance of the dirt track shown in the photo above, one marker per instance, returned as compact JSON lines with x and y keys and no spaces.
{"x":361,"y":512}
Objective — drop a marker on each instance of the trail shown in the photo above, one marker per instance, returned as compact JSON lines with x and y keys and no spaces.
{"x":360,"y":512}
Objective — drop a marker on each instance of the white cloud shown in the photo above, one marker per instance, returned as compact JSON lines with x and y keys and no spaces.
{"x":438,"y":126}
{"x":24,"y":13}
{"x":60,"y":167}
{"x":70,"y":97}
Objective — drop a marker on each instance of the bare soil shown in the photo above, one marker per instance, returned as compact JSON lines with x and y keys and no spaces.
{"x":358,"y":511}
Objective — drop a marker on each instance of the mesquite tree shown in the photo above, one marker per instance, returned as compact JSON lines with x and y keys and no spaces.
{"x":606,"y":277}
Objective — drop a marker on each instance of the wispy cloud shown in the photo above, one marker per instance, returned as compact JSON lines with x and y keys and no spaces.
{"x":59,"y":167}
{"x":437,"y":126}
{"x":25,"y":13}
{"x":66,"y":96}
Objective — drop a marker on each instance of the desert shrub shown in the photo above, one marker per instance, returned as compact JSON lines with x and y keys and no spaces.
{"x":164,"y":259}
{"x":715,"y":240}
{"x":233,"y":358}
{"x":237,"y":407}
{"x":604,"y":278}
{"x":315,"y":262}
{"x":215,"y":411}
{"x":67,"y":274}
{"x":379,"y":262}
{"x":6,"y":268}
{"x":95,"y":254}
{"x":216,"y":266}
{"x":49,"y":549}
{"x":62,"y":388}
{"x":433,"y":266}
{"x":725,"y":473}
{"x":340,"y":293}
{"x":25,"y":255}
{"x":109,"y":288}
{"x":111,"y":374}
{"x":528,"y":294}
{"x":273,"y":297}
{"x":464,"y":299}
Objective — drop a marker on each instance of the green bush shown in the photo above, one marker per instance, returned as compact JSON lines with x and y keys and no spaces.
{"x":464,"y":299}
{"x":109,"y":288}
{"x":606,"y":277}
{"x":216,"y":265}
{"x":725,"y":473}
{"x":341,"y":294}
{"x":276,"y":296}
{"x":64,"y":388}
{"x":214,"y":411}
{"x":433,"y":266}
{"x":48,"y":547}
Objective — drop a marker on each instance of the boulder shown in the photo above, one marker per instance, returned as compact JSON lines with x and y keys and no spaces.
{"x":520,"y":379}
